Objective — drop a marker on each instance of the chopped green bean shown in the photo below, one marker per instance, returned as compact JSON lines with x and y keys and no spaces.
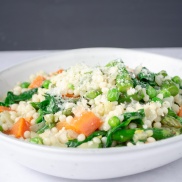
{"x":171,"y":87}
{"x":46,"y":84}
{"x":176,"y":79}
{"x":113,"y":95}
{"x":36,"y":140}
{"x":151,"y":92}
{"x":93,"y":94}
{"x":68,"y":112}
{"x":24,"y":85}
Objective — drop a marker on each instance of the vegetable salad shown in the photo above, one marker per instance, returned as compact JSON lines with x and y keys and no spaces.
{"x":94,"y":107}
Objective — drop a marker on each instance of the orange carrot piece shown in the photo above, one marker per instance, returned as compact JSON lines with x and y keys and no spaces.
{"x":87,"y":123}
{"x":66,"y":125}
{"x":28,"y":119}
{"x":3,"y":108}
{"x":180,"y":112}
{"x":19,"y":128}
{"x":59,"y":71}
{"x":70,"y":96}
{"x":37,"y":82}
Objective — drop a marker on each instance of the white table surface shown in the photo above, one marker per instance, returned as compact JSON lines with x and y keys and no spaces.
{"x":10,"y":171}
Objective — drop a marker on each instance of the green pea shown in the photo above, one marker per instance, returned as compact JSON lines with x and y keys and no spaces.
{"x":114,"y":121}
{"x":156,"y":99}
{"x":165,"y":93}
{"x":71,"y":86}
{"x":138,"y":95}
{"x":113,"y":95}
{"x":36,"y":140}
{"x":151,"y":92}
{"x":46,"y":84}
{"x":93,"y":94}
{"x":24,"y":85}
{"x":176,"y":79}
{"x":171,"y":87}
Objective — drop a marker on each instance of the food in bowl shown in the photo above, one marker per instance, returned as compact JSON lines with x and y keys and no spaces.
{"x":94,"y":107}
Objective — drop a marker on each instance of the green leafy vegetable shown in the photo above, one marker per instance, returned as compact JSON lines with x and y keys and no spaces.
{"x":75,"y":143}
{"x":147,"y":77}
{"x":128,"y":117}
{"x":48,"y":106}
{"x":11,"y":98}
{"x":45,"y":127}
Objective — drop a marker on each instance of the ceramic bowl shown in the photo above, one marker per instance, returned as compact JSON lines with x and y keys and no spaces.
{"x":90,"y":163}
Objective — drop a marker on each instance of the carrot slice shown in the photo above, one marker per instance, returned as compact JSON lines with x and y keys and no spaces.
{"x":3,"y":108}
{"x":19,"y":128}
{"x":37,"y":82}
{"x":180,"y":112}
{"x":66,"y":125}
{"x":87,"y":123}
{"x":70,"y":96}
{"x":59,"y":71}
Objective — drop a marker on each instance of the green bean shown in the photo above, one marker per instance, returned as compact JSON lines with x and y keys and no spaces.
{"x":165,"y":93}
{"x":128,"y":117}
{"x":123,"y":135}
{"x":176,"y":79}
{"x":123,"y":82}
{"x":24,"y":85}
{"x":68,"y":112}
{"x":151,"y":92}
{"x":36,"y":140}
{"x":1,"y":128}
{"x":123,"y":79}
{"x":138,"y":96}
{"x":46,"y":84}
{"x":113,"y":95}
{"x":162,"y":133}
{"x":171,"y":87}
{"x":171,"y":121}
{"x":93,"y":94}
{"x":114,"y":121}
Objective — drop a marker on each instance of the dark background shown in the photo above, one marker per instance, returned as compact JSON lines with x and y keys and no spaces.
{"x":66,"y":24}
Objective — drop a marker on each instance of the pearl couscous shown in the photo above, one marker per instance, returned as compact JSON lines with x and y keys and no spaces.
{"x":94,"y":107}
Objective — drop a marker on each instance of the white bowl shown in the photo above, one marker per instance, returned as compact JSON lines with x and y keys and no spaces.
{"x":90,"y":163}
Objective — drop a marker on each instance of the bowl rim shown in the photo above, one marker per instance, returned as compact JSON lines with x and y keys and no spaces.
{"x":55,"y":149}
{"x":97,"y":151}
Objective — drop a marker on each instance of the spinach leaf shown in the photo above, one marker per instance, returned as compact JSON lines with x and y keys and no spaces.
{"x":128,"y":117}
{"x":11,"y":98}
{"x":45,"y":127}
{"x":75,"y":143}
{"x":48,"y":106}
{"x":146,"y":76}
